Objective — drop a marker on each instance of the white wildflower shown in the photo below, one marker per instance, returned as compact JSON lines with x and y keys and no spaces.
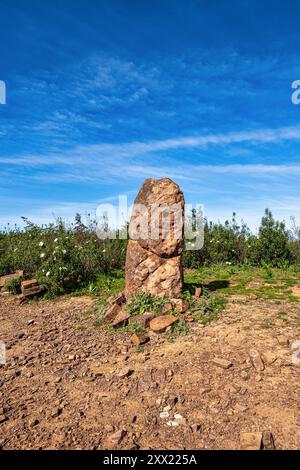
{"x":64,"y":252}
{"x":42,"y":255}
{"x":41,"y":244}
{"x":48,"y":273}
{"x":55,"y":240}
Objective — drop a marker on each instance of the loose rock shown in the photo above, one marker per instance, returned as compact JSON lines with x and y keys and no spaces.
{"x":221,"y":362}
{"x":160,"y":324}
{"x":251,"y":440}
{"x":256,"y":360}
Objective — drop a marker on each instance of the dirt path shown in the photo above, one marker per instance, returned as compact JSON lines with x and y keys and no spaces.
{"x":63,"y":386}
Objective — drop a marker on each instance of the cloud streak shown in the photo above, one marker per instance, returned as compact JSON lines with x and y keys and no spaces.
{"x":99,"y":152}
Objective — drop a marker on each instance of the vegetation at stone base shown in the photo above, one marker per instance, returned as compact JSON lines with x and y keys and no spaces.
{"x":140,"y":303}
{"x":13,"y":286}
{"x":70,"y":258}
{"x":130,"y":329}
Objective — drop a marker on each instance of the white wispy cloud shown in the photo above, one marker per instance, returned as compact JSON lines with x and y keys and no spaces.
{"x":99,"y":152}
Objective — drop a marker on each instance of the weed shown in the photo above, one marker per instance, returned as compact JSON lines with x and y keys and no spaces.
{"x":181,"y":328}
{"x":13,"y":286}
{"x":141,"y":303}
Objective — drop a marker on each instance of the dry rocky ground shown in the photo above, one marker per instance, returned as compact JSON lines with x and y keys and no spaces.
{"x":70,"y":384}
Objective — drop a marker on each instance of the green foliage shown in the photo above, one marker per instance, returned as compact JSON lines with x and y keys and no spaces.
{"x":13,"y":286}
{"x":180,"y":328}
{"x":133,"y":327}
{"x":141,"y":303}
{"x":71,"y":258}
{"x":233,"y":244}
{"x":272,"y":244}
{"x":63,"y":258}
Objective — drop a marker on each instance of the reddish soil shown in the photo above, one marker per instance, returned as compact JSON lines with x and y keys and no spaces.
{"x":61,"y":387}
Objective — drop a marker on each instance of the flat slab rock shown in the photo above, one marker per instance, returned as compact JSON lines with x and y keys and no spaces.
{"x":160,"y":324}
{"x":221,"y":362}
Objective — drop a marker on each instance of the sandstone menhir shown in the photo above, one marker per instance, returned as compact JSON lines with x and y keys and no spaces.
{"x":153,"y":260}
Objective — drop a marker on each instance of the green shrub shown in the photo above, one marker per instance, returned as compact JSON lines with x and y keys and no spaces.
{"x":140,"y":303}
{"x":13,"y":286}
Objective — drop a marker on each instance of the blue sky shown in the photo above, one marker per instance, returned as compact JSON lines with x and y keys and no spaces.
{"x":102,"y":94}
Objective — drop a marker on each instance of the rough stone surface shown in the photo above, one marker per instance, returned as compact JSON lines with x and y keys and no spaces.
{"x":268,"y":441}
{"x":221,"y":362}
{"x":143,"y":320}
{"x":153,"y":261}
{"x":28,"y":284}
{"x":139,"y":338}
{"x":9,"y":277}
{"x":111,"y":312}
{"x":121,"y":319}
{"x":251,"y":441}
{"x":198,"y":292}
{"x":181,"y":305}
{"x":256,"y":360}
{"x":283,"y":340}
{"x":160,"y":324}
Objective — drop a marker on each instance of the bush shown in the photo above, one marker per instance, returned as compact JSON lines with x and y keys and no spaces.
{"x":272,"y":245}
{"x":141,"y":303}
{"x":13,"y":286}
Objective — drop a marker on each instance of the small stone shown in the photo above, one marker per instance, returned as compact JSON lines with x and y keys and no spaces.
{"x":71,"y":357}
{"x":109,"y":428}
{"x":56,"y":412}
{"x":121,"y":319}
{"x":196,"y":427}
{"x":33,"y":422}
{"x":204,"y":390}
{"x":268,"y":441}
{"x":139,"y":338}
{"x":30,"y":322}
{"x":239,"y":407}
{"x":181,"y":305}
{"x":117,"y":437}
{"x":111,"y":312}
{"x":167,"y":307}
{"x":221,"y":362}
{"x":2,"y":418}
{"x":164,"y":415}
{"x":198,"y":292}
{"x":160,"y":324}
{"x":214,"y":410}
{"x":269,"y":357}
{"x":282,"y":340}
{"x":125,"y":372}
{"x":256,"y":360}
{"x":28,"y":284}
{"x":143,"y":320}
{"x":251,"y":441}
{"x":167,"y":408}
{"x":118,"y":299}
{"x":179,"y":419}
{"x":244,"y":375}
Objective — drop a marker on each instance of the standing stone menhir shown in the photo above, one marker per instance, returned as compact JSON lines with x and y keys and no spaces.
{"x":153,"y":260}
